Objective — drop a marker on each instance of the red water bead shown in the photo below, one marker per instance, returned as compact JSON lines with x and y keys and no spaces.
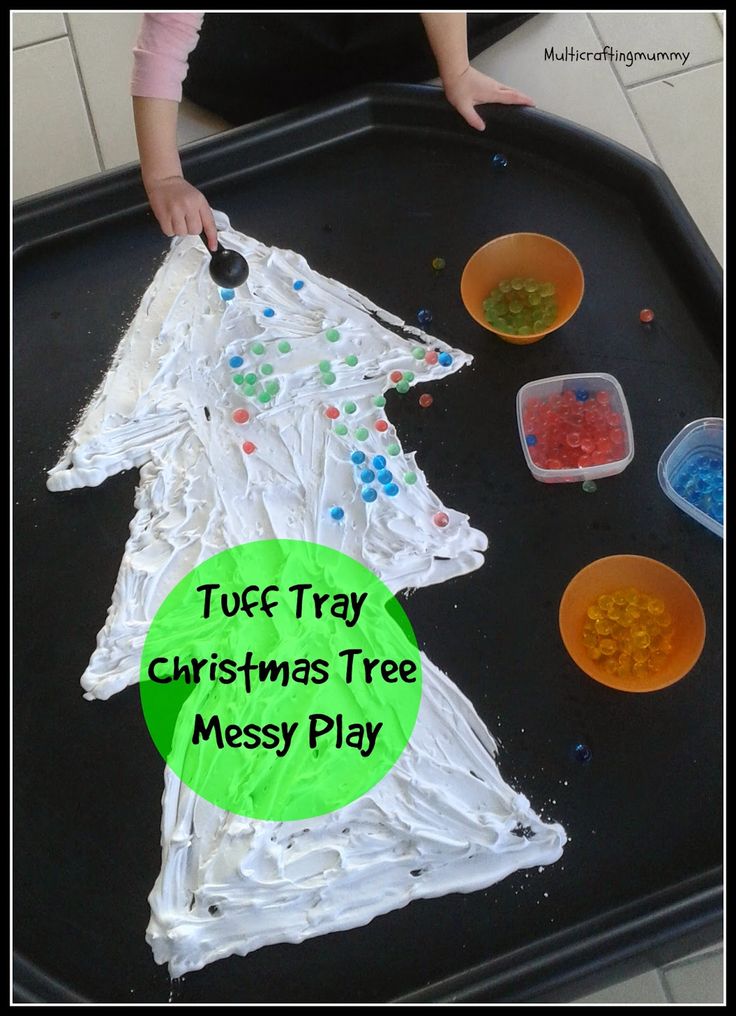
{"x":599,"y":458}
{"x":241,"y":416}
{"x":431,"y":356}
{"x":584,"y":461}
{"x":603,"y":444}
{"x":603,"y":398}
{"x":553,"y":464}
{"x":587,"y":445}
{"x":381,"y":426}
{"x":395,"y":376}
{"x":646,"y":316}
{"x":248,"y":447}
{"x":613,"y":419}
{"x":573,"y":439}
{"x":425,"y":401}
{"x":332,"y":412}
{"x":617,"y":435}
{"x":441,"y":520}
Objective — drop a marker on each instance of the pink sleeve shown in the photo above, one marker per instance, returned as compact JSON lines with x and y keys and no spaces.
{"x":160,"y":54}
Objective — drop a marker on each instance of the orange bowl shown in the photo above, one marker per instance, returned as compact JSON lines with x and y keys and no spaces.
{"x":654,"y":579}
{"x":526,"y":255}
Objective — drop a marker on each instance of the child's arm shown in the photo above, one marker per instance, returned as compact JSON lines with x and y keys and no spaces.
{"x":160,"y":53}
{"x":464,"y":86}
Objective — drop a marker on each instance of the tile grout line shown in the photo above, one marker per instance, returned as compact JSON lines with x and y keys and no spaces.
{"x":689,"y":960}
{"x":38,"y":42}
{"x":625,"y":91}
{"x":674,"y":74}
{"x":85,"y":100}
{"x":664,"y":985}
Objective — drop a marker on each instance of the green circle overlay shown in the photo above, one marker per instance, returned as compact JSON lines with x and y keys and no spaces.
{"x":277,"y":717}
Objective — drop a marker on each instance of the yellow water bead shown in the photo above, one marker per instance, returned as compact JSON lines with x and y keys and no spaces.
{"x":610,"y":666}
{"x":589,"y":638}
{"x":656,"y":607}
{"x":665,"y":620}
{"x":594,"y":652}
{"x":640,"y":638}
{"x":605,"y":602}
{"x":607,"y":647}
{"x":630,"y":594}
{"x":619,"y":597}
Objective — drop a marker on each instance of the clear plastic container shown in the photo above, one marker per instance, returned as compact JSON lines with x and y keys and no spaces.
{"x":577,"y":383}
{"x":701,"y":438}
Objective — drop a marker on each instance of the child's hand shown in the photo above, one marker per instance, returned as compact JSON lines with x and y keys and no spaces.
{"x":471,"y":89}
{"x":181,"y":209}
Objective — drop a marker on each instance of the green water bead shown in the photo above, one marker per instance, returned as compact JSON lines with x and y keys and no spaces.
{"x":238,"y":379}
{"x":340,"y":429}
{"x":418,"y":353}
{"x":361,"y":434}
{"x":515,"y":307}
{"x":328,"y":377}
{"x":547,"y":289}
{"x":351,"y":360}
{"x":258,"y":349}
{"x":250,"y":379}
{"x":402,"y":387}
{"x":517,"y":284}
{"x":525,"y":330}
{"x":438,"y":264}
{"x":284,"y":347}
{"x":332,"y":335}
{"x":325,"y":366}
{"x":538,"y":324}
{"x":393,"y":449}
{"x":249,"y":391}
{"x":409,"y":375}
{"x":410,"y":479}
{"x":379,"y":401}
{"x":504,"y":286}
{"x":264,"y":397}
{"x":531,"y":285}
{"x":266,"y":368}
{"x":349,"y":407}
{"x":534,"y":299}
{"x":272,"y":387}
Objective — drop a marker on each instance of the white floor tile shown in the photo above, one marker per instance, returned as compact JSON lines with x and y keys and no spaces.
{"x":645,"y":987}
{"x":586,"y":92}
{"x":104,"y":44}
{"x":698,"y":980}
{"x":683,"y":118}
{"x":35,"y":27}
{"x":660,"y":32}
{"x":52,"y":140}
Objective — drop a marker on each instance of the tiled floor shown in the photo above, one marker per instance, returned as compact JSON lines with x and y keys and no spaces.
{"x":72,"y":118}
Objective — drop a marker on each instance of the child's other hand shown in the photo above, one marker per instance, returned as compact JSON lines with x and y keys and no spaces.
{"x":471,"y":89}
{"x":181,"y":210}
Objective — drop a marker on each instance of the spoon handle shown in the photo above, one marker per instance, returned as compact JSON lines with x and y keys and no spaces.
{"x":220,"y":248}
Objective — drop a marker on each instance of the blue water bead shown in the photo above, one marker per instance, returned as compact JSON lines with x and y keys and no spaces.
{"x":391,"y":490}
{"x":368,"y":494}
{"x":379,"y":462}
{"x":582,"y":394}
{"x":424,"y":316}
{"x":236,"y":361}
{"x":269,"y":312}
{"x":367,"y":476}
{"x":299,"y":284}
{"x":227,"y":294}
{"x":582,"y":753}
{"x":357,"y":457}
{"x":337,"y":513}
{"x":531,"y":440}
{"x":499,"y":161}
{"x":385,"y":476}
{"x":445,"y":359}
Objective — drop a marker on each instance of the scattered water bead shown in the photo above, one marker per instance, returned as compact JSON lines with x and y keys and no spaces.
{"x":248,"y":447}
{"x":298,"y":284}
{"x":385,"y":476}
{"x":395,"y":376}
{"x":499,"y":161}
{"x":379,"y":462}
{"x":403,"y":387}
{"x":238,"y":379}
{"x":582,"y":394}
{"x":379,"y":401}
{"x":269,"y":312}
{"x":350,"y":407}
{"x":258,"y":349}
{"x":393,"y":449}
{"x":369,"y":494}
{"x":367,"y":476}
{"x":410,"y":479}
{"x":337,"y":513}
{"x":361,"y":433}
{"x":227,"y":294}
{"x":357,"y":457}
{"x":438,"y":264}
{"x":284,"y":346}
{"x":332,"y":335}
{"x":264,"y":397}
{"x":445,"y":359}
{"x":408,"y":375}
{"x":531,"y":440}
{"x":391,"y":489}
{"x":241,"y":416}
{"x":325,"y":366}
{"x":425,"y":401}
{"x":340,"y":429}
{"x":418,"y":353}
{"x":441,"y":519}
{"x":249,"y":391}
{"x":251,"y":379}
{"x":381,"y":426}
{"x":424,"y":316}
{"x":236,"y":361}
{"x":328,"y":378}
{"x":272,"y":387}
{"x":590,"y":486}
{"x":582,"y":753}
{"x":351,"y":360}
{"x":646,"y":316}
{"x":266,"y":369}
{"x":431,"y":356}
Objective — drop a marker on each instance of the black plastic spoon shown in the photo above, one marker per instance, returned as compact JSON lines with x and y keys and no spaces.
{"x":228,"y":269}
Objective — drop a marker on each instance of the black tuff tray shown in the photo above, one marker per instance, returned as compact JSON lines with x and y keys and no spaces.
{"x":370,"y":189}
